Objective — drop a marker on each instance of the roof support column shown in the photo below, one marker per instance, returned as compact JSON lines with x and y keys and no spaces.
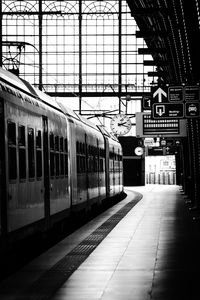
{"x":80,"y":56}
{"x":120,"y":54}
{"x":40,"y":46}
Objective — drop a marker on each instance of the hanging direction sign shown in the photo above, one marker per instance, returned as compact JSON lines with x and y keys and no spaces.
{"x":175,"y":94}
{"x":192,"y":93}
{"x":159,"y":94}
{"x":192,"y":109}
{"x":168,"y":111}
{"x":147,"y":127}
{"x":168,"y":102}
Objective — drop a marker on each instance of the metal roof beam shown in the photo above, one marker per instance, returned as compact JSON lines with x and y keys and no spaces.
{"x":151,"y":50}
{"x":150,"y":34}
{"x":155,"y":63}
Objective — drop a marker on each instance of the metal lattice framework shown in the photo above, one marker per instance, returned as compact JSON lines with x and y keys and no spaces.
{"x":171,"y":30}
{"x":83,"y":48}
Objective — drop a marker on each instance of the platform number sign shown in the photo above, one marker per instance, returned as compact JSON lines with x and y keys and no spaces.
{"x":146,"y":102}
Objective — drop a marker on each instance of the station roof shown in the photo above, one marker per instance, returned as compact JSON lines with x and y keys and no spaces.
{"x":171,"y":30}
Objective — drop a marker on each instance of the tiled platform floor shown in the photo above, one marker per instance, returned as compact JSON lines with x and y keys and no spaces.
{"x":153,"y":253}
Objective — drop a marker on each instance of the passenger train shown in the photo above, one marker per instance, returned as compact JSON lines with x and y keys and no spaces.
{"x":53,"y":162}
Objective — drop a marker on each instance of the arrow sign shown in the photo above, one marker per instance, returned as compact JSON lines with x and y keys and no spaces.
{"x":168,"y":111}
{"x":160,"y":94}
{"x":160,"y":110}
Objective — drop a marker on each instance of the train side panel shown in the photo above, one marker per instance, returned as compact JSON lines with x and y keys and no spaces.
{"x":25,"y":203}
{"x":89,"y":179}
{"x":3,"y":183}
{"x":93,"y":165}
{"x":78,"y":182}
{"x":113,"y":165}
{"x":102,"y":169}
{"x":51,"y":162}
{"x":118,"y":168}
{"x":59,"y":173}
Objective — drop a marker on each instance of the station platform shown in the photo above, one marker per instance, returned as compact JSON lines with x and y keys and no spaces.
{"x":151,"y":250}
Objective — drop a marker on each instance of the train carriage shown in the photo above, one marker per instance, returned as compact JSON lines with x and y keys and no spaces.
{"x":88,"y":169}
{"x":113,"y":164}
{"x":52,"y":161}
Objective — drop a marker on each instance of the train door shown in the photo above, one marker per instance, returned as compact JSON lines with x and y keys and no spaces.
{"x":97,"y":168}
{"x":3,"y":194}
{"x":46,"y":171}
{"x":107,"y":167}
{"x":87,"y":167}
{"x":72,"y":163}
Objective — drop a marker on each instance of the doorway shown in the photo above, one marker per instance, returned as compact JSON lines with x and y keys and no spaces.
{"x":160,"y":169}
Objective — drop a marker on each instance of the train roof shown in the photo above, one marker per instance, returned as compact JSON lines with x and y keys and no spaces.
{"x":67,"y":111}
{"x":25,"y":86}
{"x":12,"y":79}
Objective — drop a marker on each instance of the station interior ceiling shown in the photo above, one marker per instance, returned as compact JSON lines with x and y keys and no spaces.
{"x":171,"y":30}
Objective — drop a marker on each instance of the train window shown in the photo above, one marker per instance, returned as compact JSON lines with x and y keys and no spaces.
{"x":22,"y":152}
{"x":39,"y":163}
{"x":77,"y":147}
{"x":61,"y":157}
{"x":57,"y":160}
{"x":66,"y":145}
{"x":61,"y":144}
{"x":61,"y":164}
{"x":57,"y":143}
{"x":39,"y":139}
{"x":51,"y":138}
{"x":52,"y":164}
{"x":12,"y":161}
{"x":83,"y":148}
{"x":90,"y":164}
{"x":80,"y":157}
{"x":57,"y":164}
{"x":102,"y":153}
{"x":22,"y":163}
{"x":66,"y":157}
{"x":31,"y":157}
{"x":77,"y":164}
{"x":66,"y":164}
{"x":101,"y":168}
{"x":21,"y":135}
{"x":11,"y":133}
{"x":39,"y":154}
{"x":12,"y":151}
{"x":52,"y":156}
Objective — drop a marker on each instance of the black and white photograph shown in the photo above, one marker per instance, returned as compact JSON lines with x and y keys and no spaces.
{"x":99,"y":149}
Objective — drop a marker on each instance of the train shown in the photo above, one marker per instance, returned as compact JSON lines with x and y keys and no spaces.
{"x":53,"y":162}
